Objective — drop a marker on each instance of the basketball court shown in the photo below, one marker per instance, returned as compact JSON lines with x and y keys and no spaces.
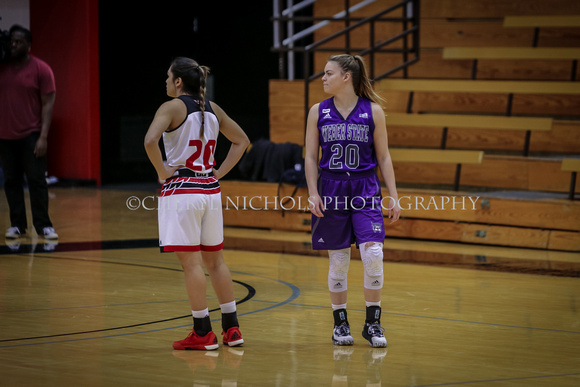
{"x":103,"y":306}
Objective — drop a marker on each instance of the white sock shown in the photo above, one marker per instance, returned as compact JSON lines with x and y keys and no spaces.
{"x":373,"y":303}
{"x":200,"y":313}
{"x":229,"y":307}
{"x":339,"y":306}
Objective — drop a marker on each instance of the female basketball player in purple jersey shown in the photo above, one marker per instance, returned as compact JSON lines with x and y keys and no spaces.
{"x":346,"y":200}
{"x":190,"y":208}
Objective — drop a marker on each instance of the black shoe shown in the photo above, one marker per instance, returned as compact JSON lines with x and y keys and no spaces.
{"x":374,"y":334}
{"x":341,"y":335}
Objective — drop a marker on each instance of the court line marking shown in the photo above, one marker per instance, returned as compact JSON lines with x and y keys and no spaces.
{"x":249,"y":296}
{"x":295,"y":294}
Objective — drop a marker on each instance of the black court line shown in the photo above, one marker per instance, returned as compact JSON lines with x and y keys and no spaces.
{"x":249,"y":296}
{"x":16,"y":247}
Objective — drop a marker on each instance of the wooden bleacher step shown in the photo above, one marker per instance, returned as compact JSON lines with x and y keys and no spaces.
{"x":500,"y":172}
{"x":469,"y":121}
{"x":544,"y":53}
{"x":479,"y":86}
{"x":484,"y":134}
{"x":542,"y":21}
{"x":436,"y":156}
{"x":447,"y":121}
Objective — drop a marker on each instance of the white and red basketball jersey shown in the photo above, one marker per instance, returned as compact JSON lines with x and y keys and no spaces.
{"x":184,"y":145}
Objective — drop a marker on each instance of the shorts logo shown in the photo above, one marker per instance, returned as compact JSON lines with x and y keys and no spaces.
{"x":321,"y":240}
{"x":377,"y":227}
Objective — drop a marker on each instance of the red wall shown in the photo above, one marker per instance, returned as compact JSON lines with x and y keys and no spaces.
{"x":65,"y":35}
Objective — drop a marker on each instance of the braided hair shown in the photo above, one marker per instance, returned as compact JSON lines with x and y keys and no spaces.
{"x":194,"y":79}
{"x":360,"y":79}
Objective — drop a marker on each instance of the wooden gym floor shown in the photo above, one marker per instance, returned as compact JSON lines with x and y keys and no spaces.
{"x":103,"y":306}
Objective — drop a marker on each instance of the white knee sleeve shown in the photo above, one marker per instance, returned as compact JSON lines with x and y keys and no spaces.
{"x":338,"y":269}
{"x":372,"y":257}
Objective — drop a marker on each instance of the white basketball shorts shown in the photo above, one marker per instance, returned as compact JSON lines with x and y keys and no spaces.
{"x":191,"y":222}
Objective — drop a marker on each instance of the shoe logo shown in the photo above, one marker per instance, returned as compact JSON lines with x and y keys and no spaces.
{"x":321,"y":240}
{"x":235,"y":336}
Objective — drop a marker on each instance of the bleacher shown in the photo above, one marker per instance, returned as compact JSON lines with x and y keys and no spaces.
{"x":490,"y":113}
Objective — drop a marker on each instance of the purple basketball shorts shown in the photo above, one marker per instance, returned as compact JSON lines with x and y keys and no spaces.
{"x":353,"y":212}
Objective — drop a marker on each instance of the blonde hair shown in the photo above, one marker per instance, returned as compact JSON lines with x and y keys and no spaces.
{"x":361,"y":82}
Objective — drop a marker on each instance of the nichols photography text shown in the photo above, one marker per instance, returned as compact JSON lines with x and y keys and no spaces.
{"x":289,"y":203}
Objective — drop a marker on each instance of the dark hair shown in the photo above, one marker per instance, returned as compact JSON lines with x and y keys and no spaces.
{"x":360,"y":79}
{"x":194,"y":79}
{"x":18,"y":28}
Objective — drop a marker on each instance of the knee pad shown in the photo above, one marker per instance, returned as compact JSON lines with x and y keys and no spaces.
{"x":338,"y":270}
{"x":372,"y":257}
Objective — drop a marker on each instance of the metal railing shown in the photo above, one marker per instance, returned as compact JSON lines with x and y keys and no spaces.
{"x":285,"y":40}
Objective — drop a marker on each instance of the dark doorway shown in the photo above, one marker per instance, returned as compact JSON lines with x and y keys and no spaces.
{"x":136,"y":48}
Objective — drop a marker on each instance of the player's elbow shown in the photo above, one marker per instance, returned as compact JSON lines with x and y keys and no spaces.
{"x":243,"y":141}
{"x":150,"y":142}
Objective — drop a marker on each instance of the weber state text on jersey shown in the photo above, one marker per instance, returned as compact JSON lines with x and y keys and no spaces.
{"x":347,"y":144}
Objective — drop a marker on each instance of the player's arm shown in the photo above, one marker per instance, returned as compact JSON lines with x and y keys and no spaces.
{"x":384,"y":160}
{"x":166,"y":117}
{"x":233,"y":132}
{"x":311,"y":162}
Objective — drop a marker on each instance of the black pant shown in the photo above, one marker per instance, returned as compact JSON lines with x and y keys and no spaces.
{"x":17,"y":159}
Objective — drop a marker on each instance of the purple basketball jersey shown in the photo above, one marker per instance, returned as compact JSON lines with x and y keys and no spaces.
{"x":347,"y":144}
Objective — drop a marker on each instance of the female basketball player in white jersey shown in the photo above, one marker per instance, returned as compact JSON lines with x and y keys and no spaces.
{"x":190,"y":212}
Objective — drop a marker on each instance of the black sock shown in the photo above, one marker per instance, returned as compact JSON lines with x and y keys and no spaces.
{"x":202,"y":326}
{"x":340,"y":317}
{"x":229,"y":320}
{"x":373,"y":315}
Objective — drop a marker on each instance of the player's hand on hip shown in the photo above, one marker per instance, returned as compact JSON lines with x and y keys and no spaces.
{"x":167,"y":172}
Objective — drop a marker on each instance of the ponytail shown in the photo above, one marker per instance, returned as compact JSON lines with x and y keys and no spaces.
{"x":204,"y":71}
{"x":361,"y":82}
{"x":194,"y":79}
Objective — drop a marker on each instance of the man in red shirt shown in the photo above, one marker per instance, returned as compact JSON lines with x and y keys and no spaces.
{"x":27,"y":93}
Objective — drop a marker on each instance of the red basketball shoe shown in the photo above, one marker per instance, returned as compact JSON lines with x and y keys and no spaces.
{"x":194,"y":341}
{"x":233,"y":337}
